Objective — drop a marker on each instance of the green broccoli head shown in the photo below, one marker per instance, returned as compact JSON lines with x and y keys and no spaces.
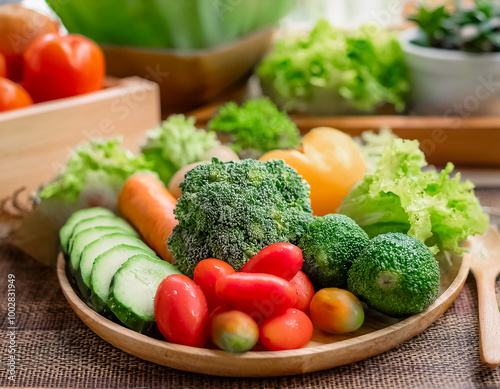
{"x":395,"y":274}
{"x":232,"y":210}
{"x":329,"y":246}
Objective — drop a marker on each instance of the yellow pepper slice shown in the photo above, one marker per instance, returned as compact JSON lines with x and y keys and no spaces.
{"x":330,"y":162}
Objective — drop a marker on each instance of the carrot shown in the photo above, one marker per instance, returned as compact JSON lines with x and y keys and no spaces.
{"x":149,"y":206}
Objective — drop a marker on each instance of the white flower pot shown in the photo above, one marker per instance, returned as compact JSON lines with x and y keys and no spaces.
{"x":451,"y":83}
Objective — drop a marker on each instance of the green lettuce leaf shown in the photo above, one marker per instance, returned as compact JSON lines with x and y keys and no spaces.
{"x":401,"y":197}
{"x":176,"y":143}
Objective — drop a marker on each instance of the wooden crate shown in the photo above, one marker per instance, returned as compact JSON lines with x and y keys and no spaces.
{"x":35,"y":142}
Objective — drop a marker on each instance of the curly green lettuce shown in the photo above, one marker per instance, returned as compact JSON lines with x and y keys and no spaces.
{"x":366,"y":66}
{"x":401,"y":197}
{"x":176,"y":143}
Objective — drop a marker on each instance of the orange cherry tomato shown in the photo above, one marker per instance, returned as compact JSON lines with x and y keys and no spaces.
{"x":233,"y":331}
{"x":12,"y":95}
{"x":3,"y":66}
{"x":58,"y":66}
{"x":290,"y":330}
{"x":336,"y":311}
{"x":206,"y":274}
{"x":181,"y":311}
{"x":305,"y":291}
{"x":280,"y":259}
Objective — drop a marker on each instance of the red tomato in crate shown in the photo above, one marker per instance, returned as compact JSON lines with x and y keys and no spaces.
{"x":58,"y":66}
{"x":290,"y":330}
{"x":181,"y":311}
{"x":3,"y":66}
{"x":206,"y":273}
{"x":280,"y":259}
{"x":12,"y":95}
{"x":305,"y":291}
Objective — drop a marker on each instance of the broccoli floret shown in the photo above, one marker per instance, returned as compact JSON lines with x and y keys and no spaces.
{"x":395,"y":274}
{"x":329,"y":246}
{"x":232,"y":210}
{"x":255,"y":128}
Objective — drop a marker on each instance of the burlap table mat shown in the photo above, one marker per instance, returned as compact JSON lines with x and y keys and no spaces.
{"x":55,"y":349}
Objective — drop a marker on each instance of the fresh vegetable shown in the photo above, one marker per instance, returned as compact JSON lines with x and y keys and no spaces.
{"x":470,"y":29}
{"x":305,"y":291}
{"x":149,"y":206}
{"x":330,"y":245}
{"x":107,"y":264}
{"x":364,"y":67}
{"x":400,"y":197}
{"x":13,"y":96}
{"x":181,"y":311}
{"x":175,"y":182}
{"x":260,"y":295}
{"x":336,"y":311}
{"x":280,"y":259}
{"x":233,"y":331}
{"x":330,"y":162}
{"x":133,"y":289}
{"x":290,"y":330}
{"x":19,"y":26}
{"x":3,"y":66}
{"x":94,"y":174}
{"x":255,"y":128}
{"x":176,"y":143}
{"x":206,"y":274}
{"x":371,"y":145}
{"x":395,"y":274}
{"x":232,"y":210}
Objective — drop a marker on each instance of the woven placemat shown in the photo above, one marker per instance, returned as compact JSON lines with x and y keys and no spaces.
{"x":55,"y":349}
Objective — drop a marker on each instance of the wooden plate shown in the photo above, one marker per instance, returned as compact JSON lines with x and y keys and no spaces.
{"x":378,"y":334}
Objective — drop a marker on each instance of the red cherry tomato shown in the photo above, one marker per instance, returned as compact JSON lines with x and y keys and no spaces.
{"x":3,"y":66}
{"x":280,"y":259}
{"x":336,"y":311}
{"x":305,"y":291}
{"x":260,"y":295}
{"x":12,"y":95}
{"x":62,"y":66}
{"x":206,"y":273}
{"x":181,"y":311}
{"x":290,"y":330}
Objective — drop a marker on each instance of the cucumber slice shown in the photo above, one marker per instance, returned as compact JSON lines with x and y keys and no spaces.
{"x":133,"y":289}
{"x":96,"y":248}
{"x":102,"y":221}
{"x":83,"y":214}
{"x":104,"y":268}
{"x":84,"y":238}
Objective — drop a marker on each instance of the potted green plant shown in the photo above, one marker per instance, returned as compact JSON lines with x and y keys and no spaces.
{"x":454,"y":61}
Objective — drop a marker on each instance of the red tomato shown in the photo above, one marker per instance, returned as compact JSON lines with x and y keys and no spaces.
{"x":290,"y":330}
{"x":181,"y":311}
{"x":280,"y":259}
{"x":3,"y":66}
{"x":336,"y":311}
{"x":62,"y":66}
{"x":206,"y":273}
{"x":12,"y":95}
{"x":260,"y":295}
{"x":233,"y":331}
{"x":305,"y":291}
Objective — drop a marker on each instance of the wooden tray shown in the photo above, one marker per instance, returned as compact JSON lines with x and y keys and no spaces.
{"x":378,"y":334}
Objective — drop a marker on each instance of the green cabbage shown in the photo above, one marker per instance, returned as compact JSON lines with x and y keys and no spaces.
{"x":400,"y":197}
{"x":175,"y":144}
{"x":366,"y":67}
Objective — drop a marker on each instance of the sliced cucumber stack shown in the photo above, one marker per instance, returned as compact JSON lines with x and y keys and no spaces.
{"x":133,"y":289}
{"x":96,"y":248}
{"x":103,"y":270}
{"x":83,"y":214}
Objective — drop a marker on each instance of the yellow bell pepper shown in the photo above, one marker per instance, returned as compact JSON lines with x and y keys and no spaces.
{"x":330,"y":162}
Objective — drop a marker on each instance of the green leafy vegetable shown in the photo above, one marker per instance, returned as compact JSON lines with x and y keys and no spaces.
{"x":94,"y":173}
{"x":399,"y":197}
{"x":365,"y":66}
{"x":255,"y":128}
{"x":176,"y":143}
{"x":371,"y":145}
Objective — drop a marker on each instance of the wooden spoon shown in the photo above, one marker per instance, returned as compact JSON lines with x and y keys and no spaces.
{"x":484,"y":261}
